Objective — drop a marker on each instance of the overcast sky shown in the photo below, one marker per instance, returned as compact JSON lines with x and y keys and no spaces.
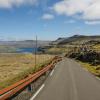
{"x":48,"y":19}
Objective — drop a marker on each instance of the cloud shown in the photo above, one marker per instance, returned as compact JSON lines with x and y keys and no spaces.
{"x":85,"y":9}
{"x":92,"y":22}
{"x":48,"y":16}
{"x":93,"y":11}
{"x":11,"y":3}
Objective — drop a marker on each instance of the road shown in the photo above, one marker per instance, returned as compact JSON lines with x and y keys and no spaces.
{"x":69,"y":81}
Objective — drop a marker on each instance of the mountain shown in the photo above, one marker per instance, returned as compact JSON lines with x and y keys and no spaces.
{"x":76,"y":39}
{"x":25,"y":43}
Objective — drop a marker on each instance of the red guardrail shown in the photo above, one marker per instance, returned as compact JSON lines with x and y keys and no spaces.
{"x":15,"y":88}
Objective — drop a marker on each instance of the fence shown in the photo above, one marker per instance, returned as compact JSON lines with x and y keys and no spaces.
{"x":28,"y":85}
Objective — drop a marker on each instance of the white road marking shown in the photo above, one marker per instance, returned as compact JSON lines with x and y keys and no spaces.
{"x":52,"y":72}
{"x":55,"y":66}
{"x":39,"y":90}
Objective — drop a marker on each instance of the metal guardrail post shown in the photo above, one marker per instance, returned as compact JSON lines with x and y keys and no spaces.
{"x":30,"y":88}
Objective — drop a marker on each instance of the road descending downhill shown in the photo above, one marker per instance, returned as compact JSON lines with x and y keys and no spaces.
{"x":69,"y":81}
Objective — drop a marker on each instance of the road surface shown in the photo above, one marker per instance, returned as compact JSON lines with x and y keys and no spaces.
{"x":69,"y":81}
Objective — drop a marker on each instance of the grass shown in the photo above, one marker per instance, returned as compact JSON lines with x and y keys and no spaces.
{"x":93,"y":69}
{"x":14,"y":67}
{"x":97,"y":47}
{"x":57,"y":50}
{"x":7,"y":49}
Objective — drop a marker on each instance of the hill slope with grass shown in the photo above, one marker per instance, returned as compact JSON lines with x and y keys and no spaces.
{"x":76,"y":39}
{"x":85,"y":49}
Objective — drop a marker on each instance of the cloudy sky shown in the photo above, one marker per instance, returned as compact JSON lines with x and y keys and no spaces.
{"x":48,"y":19}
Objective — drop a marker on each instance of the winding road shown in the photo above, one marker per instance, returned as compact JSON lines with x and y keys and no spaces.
{"x":69,"y":81}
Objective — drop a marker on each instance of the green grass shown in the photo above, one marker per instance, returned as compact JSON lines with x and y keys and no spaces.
{"x":7,"y":49}
{"x":22,"y":75}
{"x":93,"y":69}
{"x":96,"y":47}
{"x":58,"y":50}
{"x":14,"y":67}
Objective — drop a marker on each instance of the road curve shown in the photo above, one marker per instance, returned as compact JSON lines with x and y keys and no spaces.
{"x":70,"y":81}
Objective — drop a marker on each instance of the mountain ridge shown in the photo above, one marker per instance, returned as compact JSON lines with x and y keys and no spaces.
{"x":76,"y":38}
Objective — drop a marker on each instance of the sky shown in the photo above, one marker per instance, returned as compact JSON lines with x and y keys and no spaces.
{"x":48,"y":19}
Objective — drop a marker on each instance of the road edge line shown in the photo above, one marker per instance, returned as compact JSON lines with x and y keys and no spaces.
{"x":52,"y":72}
{"x":38,"y":91}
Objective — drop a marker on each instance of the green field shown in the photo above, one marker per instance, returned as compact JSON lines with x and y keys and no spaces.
{"x":7,"y":49}
{"x":14,"y":67}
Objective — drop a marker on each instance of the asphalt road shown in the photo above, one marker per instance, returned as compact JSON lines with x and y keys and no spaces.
{"x":69,"y":81}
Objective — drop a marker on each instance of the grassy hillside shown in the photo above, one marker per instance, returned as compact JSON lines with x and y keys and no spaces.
{"x":85,"y":49}
{"x":76,"y":39}
{"x":93,"y":69}
{"x":62,"y":45}
{"x":96,"y":47}
{"x":57,"y":50}
{"x":14,"y":67}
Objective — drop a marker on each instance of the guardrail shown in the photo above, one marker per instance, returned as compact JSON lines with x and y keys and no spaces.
{"x":8,"y":92}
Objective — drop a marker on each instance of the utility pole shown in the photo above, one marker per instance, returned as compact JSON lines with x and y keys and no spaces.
{"x":35,"y":52}
{"x":30,"y":87}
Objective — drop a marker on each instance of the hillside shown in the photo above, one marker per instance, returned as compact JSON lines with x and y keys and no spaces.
{"x":84,"y":49}
{"x":25,"y":43}
{"x":76,"y":39}
{"x":19,"y":66}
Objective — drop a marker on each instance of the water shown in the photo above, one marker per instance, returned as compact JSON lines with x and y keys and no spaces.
{"x":26,"y":50}
{"x":29,"y":50}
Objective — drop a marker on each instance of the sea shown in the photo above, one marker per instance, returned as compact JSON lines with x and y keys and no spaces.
{"x":27,"y":50}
